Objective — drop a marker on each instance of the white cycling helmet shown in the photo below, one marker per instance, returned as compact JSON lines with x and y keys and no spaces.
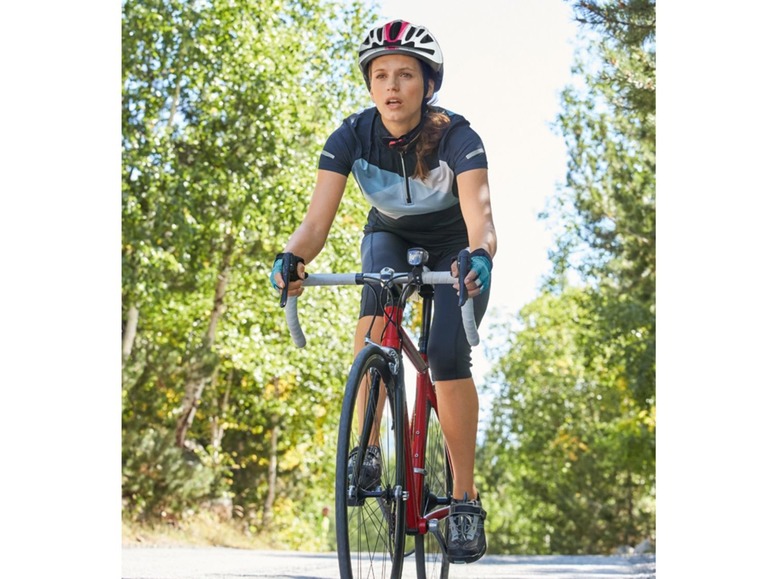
{"x":401,"y":37}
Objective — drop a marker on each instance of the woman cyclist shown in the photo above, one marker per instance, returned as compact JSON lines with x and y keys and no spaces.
{"x":424,"y":171}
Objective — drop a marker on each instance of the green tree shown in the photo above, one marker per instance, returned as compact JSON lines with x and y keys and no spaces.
{"x":609,"y":124}
{"x":570,"y":448}
{"x":223,"y":120}
{"x":573,"y":428}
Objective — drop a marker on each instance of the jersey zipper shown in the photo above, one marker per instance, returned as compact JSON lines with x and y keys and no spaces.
{"x":408,"y":199}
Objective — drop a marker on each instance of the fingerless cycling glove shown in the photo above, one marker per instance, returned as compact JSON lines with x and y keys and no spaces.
{"x":293,"y":267}
{"x":482,"y":263}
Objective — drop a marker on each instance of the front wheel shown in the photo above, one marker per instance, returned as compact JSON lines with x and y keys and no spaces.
{"x":369,"y":501}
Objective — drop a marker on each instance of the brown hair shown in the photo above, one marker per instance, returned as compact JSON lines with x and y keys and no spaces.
{"x":431,"y":132}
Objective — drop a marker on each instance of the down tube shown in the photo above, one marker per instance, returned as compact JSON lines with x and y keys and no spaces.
{"x":419,"y":436}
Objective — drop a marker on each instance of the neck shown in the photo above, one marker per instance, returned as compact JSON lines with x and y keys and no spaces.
{"x":407,"y":129}
{"x":397,"y":130}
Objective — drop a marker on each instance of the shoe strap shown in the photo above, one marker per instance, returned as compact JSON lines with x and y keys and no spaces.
{"x":370,"y":450}
{"x":468,"y":509}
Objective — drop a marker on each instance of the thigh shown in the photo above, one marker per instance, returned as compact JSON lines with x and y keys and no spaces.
{"x":449,"y":352}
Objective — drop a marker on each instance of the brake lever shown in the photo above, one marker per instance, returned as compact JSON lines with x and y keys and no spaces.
{"x":464,"y":263}
{"x":286,"y":267}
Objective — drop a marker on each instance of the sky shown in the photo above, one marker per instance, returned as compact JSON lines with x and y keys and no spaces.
{"x":504,"y":69}
{"x":60,"y":247}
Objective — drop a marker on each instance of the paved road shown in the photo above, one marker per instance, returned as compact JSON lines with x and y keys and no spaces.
{"x":221,"y":563}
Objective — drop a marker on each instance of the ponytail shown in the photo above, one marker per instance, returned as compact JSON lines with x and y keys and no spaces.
{"x":434,"y":123}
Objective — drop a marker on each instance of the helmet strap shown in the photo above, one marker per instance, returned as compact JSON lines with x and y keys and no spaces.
{"x":428,"y":75}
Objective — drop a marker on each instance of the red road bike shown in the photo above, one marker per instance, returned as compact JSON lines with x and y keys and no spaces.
{"x":381,"y":524}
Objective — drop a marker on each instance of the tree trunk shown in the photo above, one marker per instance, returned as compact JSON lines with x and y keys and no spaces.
{"x":130,"y":331}
{"x":203,"y":364}
{"x":217,"y":430}
{"x":194,"y":387}
{"x":273,"y":468}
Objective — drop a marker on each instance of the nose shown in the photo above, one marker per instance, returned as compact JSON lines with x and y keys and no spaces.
{"x":392,"y":83}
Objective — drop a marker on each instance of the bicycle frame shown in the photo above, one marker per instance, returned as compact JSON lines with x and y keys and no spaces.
{"x":396,"y":337}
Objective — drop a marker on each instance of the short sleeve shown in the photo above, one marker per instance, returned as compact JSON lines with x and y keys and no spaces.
{"x":464,"y":148}
{"x":338,"y":152}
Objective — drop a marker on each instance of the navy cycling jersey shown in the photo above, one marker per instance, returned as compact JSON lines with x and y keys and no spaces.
{"x":428,"y":211}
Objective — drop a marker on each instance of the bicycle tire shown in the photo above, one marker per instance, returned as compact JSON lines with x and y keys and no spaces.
{"x":370,"y":522}
{"x":431,"y":562}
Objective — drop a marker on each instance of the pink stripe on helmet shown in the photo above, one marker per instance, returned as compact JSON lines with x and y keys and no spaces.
{"x":387,"y":32}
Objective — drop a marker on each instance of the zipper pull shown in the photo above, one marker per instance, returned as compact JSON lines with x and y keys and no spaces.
{"x":408,"y":199}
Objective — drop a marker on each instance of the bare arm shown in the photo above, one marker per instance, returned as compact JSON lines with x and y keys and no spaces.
{"x":475,"y":199}
{"x":308,"y":239}
{"x":474,"y":196}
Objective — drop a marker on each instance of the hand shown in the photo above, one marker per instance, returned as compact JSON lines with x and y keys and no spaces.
{"x":478,"y":280}
{"x":276,"y":281}
{"x":296,"y":277}
{"x":482,"y":266}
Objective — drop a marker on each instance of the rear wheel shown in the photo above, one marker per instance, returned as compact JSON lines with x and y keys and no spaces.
{"x":370,"y":511}
{"x":431,"y":563}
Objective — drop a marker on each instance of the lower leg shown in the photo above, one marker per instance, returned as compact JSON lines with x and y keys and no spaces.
{"x":363,"y":327}
{"x":458,"y":408}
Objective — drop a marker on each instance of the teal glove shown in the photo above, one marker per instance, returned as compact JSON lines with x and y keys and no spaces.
{"x":276,"y":269}
{"x":294,"y":261}
{"x":482,"y":263}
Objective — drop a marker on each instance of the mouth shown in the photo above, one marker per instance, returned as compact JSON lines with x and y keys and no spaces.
{"x":393,"y":102}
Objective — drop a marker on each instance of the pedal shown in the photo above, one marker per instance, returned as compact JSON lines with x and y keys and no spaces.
{"x":352,"y":497}
{"x":434,"y":529}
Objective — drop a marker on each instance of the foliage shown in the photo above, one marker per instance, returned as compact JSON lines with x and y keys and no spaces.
{"x":570,"y":448}
{"x":571,"y":445}
{"x":223,"y":120}
{"x":608,"y":122}
{"x":160,"y":479}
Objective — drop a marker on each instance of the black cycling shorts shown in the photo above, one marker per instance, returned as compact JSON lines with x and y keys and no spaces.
{"x":448,"y":350}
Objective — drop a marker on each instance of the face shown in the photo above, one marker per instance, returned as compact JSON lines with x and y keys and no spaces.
{"x":397,"y":89}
